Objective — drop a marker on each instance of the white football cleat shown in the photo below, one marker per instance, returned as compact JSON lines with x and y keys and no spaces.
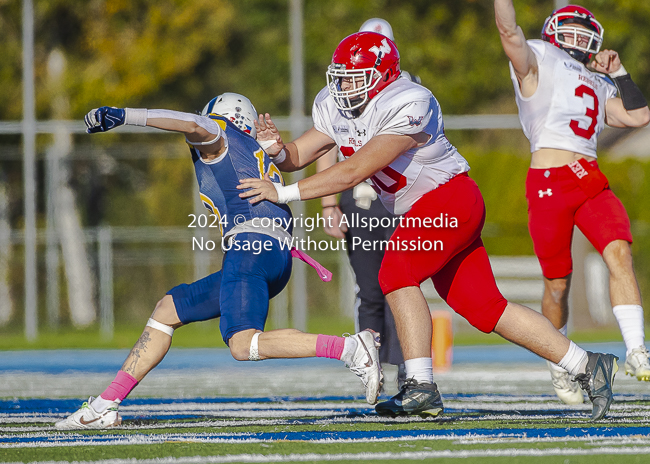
{"x":365,"y":363}
{"x":637,"y":365}
{"x":87,"y":418}
{"x":567,"y":389}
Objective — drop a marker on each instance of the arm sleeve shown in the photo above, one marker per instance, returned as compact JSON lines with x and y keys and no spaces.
{"x":202,"y":121}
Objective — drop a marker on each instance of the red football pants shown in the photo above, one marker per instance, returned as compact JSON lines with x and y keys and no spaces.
{"x":555,"y":204}
{"x":452,"y":254}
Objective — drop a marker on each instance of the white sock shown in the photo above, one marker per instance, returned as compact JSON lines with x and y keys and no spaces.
{"x":552,"y":365}
{"x":555,"y":367}
{"x":421,"y":369}
{"x":575,"y":360}
{"x":630,"y":320}
{"x":348,"y":350}
{"x":99,"y":403}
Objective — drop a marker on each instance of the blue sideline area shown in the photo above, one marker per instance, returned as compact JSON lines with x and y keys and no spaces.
{"x":57,"y":361}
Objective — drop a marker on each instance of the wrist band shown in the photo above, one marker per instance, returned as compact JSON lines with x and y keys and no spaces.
{"x":135,"y":116}
{"x":265,"y":144}
{"x":328,"y":206}
{"x":618,"y":73}
{"x":287,"y":193}
{"x":630,"y":93}
{"x":280,"y":157}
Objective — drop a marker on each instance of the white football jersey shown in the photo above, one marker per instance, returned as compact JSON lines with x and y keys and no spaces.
{"x":402,"y":108}
{"x":567,"y":111}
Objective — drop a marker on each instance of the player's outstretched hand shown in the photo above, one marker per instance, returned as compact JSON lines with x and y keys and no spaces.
{"x":104,"y":119}
{"x":606,"y":62}
{"x":260,"y":189}
{"x":267,"y":133}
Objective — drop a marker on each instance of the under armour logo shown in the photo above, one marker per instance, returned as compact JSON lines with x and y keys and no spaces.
{"x":361,"y":132}
{"x":383,"y":49}
{"x":548,"y":192}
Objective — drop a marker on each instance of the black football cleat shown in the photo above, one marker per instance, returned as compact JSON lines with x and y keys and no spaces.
{"x":598,"y":381}
{"x":422,"y":399}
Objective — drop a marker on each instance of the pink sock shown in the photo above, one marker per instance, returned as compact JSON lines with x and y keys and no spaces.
{"x":120,"y":387}
{"x":329,"y":346}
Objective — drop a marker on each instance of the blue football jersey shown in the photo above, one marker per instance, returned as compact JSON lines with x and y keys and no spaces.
{"x":219,"y":179}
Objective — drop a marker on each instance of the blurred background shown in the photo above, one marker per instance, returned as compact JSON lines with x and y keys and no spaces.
{"x":94,"y":229}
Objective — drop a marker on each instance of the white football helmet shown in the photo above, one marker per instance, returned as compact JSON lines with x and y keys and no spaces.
{"x":378,"y":25}
{"x":235,"y":107}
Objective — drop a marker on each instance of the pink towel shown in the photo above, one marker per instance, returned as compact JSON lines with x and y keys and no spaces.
{"x":323,"y":273}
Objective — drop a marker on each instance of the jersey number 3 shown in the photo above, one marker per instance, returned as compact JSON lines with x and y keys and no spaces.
{"x":592,"y":113}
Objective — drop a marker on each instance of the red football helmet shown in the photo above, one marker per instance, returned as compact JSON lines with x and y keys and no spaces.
{"x":562,"y":25}
{"x":368,"y":62}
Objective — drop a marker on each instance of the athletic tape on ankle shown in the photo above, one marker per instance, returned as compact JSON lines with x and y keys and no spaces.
{"x":160,"y":326}
{"x":254,"y":352}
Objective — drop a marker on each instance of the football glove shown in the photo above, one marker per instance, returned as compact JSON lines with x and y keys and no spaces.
{"x":104,"y":119}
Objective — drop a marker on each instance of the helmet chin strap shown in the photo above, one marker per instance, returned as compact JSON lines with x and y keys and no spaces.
{"x":378,"y":61}
{"x":578,"y":55}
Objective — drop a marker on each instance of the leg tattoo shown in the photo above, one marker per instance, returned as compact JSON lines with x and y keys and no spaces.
{"x":136,"y":352}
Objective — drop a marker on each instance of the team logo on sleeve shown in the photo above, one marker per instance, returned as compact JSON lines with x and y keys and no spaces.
{"x":415,"y":121}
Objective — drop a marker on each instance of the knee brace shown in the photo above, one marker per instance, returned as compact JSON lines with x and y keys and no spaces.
{"x":254,"y":354}
{"x":160,"y":326}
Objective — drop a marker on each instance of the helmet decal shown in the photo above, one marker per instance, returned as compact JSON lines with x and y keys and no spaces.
{"x":383,"y":49}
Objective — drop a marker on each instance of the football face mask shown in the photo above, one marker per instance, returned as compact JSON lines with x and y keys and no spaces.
{"x":350,"y":88}
{"x":574,"y":30}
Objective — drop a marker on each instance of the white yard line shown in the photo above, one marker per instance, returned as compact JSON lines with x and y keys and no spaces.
{"x":373,"y":456}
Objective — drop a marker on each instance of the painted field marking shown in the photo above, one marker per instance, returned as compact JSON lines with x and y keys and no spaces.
{"x":53,"y":439}
{"x":419,"y":455}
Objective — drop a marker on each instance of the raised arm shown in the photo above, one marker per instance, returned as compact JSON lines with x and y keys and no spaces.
{"x":514,"y":44}
{"x":200,"y":131}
